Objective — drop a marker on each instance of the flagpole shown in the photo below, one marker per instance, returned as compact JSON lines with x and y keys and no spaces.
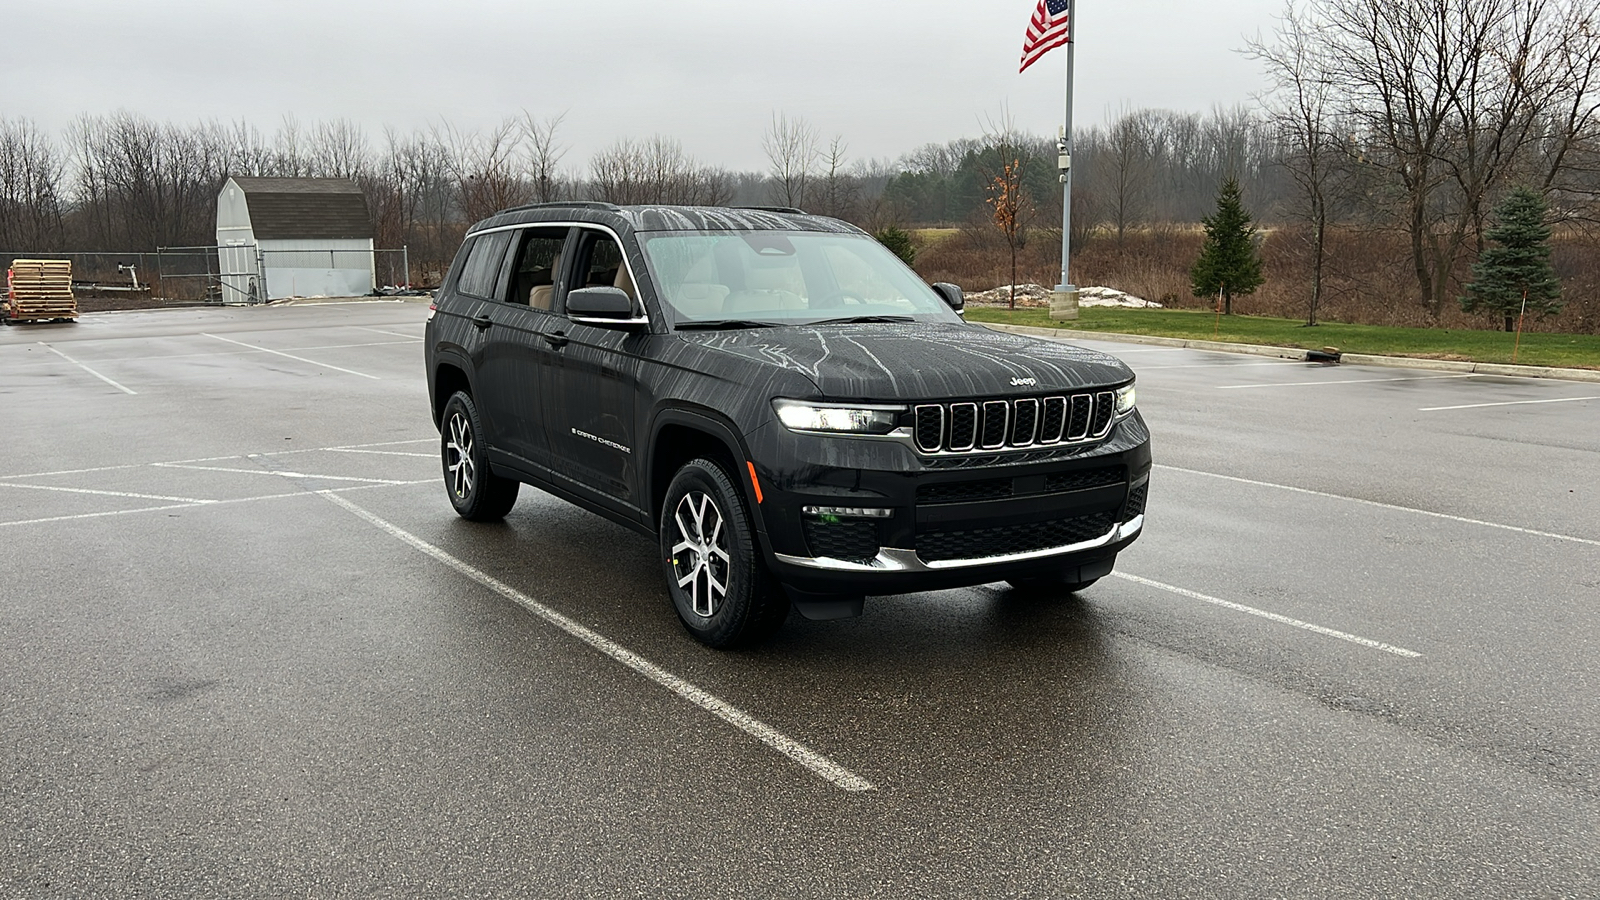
{"x":1064,"y":146}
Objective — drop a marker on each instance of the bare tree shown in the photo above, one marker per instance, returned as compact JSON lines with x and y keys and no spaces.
{"x":30,"y":188}
{"x":838,"y":191}
{"x":792,"y":150}
{"x":1455,"y":99}
{"x":1301,"y":108}
{"x":485,"y":167}
{"x":544,"y":155}
{"x":655,"y":171}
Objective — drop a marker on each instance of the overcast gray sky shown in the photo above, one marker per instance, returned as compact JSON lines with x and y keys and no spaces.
{"x":888,"y":76}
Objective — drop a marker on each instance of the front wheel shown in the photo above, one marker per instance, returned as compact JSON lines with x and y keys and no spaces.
{"x":719,"y":584}
{"x":475,"y":491}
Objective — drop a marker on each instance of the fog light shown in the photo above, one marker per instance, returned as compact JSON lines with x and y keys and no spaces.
{"x":847,"y":512}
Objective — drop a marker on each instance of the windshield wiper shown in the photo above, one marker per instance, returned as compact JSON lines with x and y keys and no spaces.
{"x":862,"y":320}
{"x":720,"y":324}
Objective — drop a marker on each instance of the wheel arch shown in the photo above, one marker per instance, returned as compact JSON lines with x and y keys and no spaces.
{"x":679,"y":435}
{"x":449,"y":376}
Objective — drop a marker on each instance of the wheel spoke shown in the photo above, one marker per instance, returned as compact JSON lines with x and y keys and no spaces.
{"x":692,"y":574}
{"x":682,"y":546}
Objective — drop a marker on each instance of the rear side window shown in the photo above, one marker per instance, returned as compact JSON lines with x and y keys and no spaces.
{"x":482,"y":268}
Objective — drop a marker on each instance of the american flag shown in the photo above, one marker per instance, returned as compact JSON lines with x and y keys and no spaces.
{"x":1047,"y":30}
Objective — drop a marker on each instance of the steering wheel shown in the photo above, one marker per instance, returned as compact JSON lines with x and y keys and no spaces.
{"x":843,"y":298}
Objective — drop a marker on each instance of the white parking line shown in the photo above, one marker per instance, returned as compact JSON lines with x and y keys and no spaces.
{"x":382,"y":452}
{"x":1241,"y":387}
{"x":413,"y":338}
{"x":819,"y":765}
{"x":1285,"y":620}
{"x":80,"y":365}
{"x":1397,"y":508}
{"x":1506,"y":403}
{"x":280,"y":474}
{"x":290,"y":356}
{"x":207,"y":504}
{"x":71,"y":490}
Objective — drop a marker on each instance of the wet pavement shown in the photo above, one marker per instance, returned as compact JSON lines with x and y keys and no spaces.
{"x":247,"y":649}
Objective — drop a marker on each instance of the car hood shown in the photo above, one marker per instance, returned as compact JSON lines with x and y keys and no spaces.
{"x":918,"y":361}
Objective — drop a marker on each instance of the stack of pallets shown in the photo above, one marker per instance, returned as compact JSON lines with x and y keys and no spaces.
{"x":40,"y":289}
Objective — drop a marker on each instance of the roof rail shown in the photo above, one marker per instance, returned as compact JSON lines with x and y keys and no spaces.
{"x":776,"y":209}
{"x":568,"y":204}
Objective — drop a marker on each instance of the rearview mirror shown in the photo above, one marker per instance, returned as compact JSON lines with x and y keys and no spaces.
{"x":951,"y":295}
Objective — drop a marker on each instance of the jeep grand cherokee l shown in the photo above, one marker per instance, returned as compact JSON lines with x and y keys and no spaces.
{"x":782,"y":404}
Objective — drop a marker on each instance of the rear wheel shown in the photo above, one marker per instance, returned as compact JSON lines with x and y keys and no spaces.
{"x":719,"y":584}
{"x":475,"y":491}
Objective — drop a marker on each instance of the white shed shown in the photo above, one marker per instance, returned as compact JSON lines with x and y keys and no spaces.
{"x":293,"y":237}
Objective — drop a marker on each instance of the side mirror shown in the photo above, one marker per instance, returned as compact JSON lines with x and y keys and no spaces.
{"x":951,"y":295}
{"x":601,"y":306}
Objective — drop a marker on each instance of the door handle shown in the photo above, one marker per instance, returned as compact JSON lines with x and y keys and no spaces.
{"x":482,"y":320}
{"x":556,"y":338}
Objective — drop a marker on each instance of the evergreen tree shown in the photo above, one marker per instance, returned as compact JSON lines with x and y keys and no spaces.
{"x":1519,"y":265}
{"x":1228,"y":262}
{"x":899,"y":242}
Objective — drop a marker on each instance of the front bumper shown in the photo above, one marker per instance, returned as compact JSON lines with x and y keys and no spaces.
{"x":950,"y":522}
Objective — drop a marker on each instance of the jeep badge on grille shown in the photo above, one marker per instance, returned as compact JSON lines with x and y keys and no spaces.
{"x":1024,"y":382}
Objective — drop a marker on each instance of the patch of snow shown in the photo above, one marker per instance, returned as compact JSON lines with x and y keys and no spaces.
{"x":1035,"y":295}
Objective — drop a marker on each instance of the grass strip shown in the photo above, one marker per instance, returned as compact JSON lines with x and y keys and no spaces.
{"x":1579,"y":351}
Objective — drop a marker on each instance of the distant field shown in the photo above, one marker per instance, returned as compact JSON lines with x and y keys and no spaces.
{"x":1567,"y":350}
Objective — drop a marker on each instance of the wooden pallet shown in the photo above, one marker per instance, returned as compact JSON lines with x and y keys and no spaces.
{"x":39,"y":289}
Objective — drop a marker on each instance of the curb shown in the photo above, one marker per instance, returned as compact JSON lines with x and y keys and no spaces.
{"x":1293,"y":353}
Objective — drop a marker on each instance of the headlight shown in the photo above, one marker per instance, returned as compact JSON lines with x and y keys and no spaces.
{"x":834,"y":418}
{"x":1125,"y":401}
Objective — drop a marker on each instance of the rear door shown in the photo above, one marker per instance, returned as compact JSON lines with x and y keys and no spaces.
{"x":591,"y":396}
{"x":515,"y":355}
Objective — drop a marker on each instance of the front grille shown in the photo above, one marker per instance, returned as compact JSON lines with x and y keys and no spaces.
{"x":855,"y":540}
{"x":1004,"y":424}
{"x":1005,"y":488}
{"x":1004,"y":540}
{"x":1083,"y":479}
{"x":965,"y":491}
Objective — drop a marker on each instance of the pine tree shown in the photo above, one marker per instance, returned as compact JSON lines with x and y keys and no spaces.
{"x":1518,"y":265}
{"x":899,"y":242}
{"x":1228,"y":262}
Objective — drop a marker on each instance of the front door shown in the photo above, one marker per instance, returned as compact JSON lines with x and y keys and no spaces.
{"x":591,"y":397}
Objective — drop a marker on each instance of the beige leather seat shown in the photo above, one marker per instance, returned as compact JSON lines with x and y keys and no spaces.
{"x":543,"y":296}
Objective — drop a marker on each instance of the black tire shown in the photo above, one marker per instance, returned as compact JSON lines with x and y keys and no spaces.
{"x":475,"y":491}
{"x":697,"y":554}
{"x":1048,"y":585}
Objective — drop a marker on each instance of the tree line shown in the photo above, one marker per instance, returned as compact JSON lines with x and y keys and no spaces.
{"x":1412,"y":117}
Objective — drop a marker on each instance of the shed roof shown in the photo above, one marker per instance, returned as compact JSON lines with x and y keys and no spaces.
{"x":290,"y":208}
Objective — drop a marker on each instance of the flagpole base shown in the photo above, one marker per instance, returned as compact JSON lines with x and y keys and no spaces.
{"x":1064,"y":303}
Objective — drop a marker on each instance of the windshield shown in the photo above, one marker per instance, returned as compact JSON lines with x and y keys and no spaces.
{"x":753,"y":278}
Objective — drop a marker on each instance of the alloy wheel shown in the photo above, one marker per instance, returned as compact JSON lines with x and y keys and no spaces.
{"x":458,"y":456}
{"x":700,"y":561}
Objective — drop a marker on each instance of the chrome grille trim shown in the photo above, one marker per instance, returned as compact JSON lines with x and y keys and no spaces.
{"x":956,"y":442}
{"x":1024,"y":422}
{"x":935,"y":412}
{"x":996,"y":420}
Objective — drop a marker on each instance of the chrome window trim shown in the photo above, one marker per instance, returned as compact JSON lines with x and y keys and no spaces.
{"x":632,"y":275}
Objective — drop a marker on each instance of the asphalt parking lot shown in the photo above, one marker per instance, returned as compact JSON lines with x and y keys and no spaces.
{"x":246,"y":649}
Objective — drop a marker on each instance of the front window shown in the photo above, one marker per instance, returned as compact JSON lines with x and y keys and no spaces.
{"x":785,"y":278}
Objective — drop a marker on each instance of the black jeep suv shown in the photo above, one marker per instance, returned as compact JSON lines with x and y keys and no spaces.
{"x":782,"y":403}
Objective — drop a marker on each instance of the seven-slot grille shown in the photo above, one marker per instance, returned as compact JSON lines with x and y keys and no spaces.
{"x":1025,"y":422}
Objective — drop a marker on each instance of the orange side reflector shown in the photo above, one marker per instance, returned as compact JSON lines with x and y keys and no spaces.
{"x":753,"y":482}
